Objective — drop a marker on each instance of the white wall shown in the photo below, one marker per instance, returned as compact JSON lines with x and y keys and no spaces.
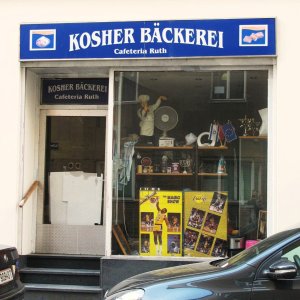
{"x":284,"y":145}
{"x":29,"y":155}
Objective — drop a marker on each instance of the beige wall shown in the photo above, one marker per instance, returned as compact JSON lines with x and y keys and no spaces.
{"x":284,"y":144}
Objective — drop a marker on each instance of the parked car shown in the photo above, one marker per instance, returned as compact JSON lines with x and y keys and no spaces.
{"x":267,"y":270}
{"x":10,"y":284}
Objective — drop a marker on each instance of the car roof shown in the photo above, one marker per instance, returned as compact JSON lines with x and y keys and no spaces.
{"x":6,"y":247}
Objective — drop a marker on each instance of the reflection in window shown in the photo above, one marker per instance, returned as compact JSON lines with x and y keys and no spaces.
{"x":229,"y":86}
{"x":207,"y":166}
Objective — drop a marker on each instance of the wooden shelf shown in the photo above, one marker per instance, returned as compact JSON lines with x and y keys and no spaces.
{"x":183,"y":147}
{"x":213,"y":148}
{"x":164,"y":174}
{"x":182,"y":174}
{"x":250,"y":137}
{"x":163,"y":148}
{"x":213,"y":174}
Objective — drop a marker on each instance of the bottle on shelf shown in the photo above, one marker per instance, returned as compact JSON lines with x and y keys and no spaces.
{"x":139,"y":168}
{"x":221,"y":165}
{"x":164,"y":164}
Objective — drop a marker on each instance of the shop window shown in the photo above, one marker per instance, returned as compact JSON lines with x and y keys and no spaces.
{"x":190,"y":174}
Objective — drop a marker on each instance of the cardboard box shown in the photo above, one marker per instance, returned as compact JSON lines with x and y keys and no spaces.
{"x":166,"y":142}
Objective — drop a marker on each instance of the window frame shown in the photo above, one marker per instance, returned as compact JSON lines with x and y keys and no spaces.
{"x":232,"y":64}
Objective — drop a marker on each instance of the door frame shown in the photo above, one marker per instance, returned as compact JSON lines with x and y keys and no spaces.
{"x":65,"y":112}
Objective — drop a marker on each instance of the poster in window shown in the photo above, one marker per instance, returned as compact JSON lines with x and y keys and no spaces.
{"x":205,"y":227}
{"x":160,"y":225}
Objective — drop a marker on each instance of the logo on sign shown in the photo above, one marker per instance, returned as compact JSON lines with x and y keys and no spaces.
{"x":43,"y":39}
{"x":253,"y":35}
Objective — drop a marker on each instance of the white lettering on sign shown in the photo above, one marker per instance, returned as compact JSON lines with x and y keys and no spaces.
{"x":187,"y":36}
{"x":91,"y":87}
{"x":158,"y":51}
{"x":130,"y":51}
{"x":77,"y":87}
{"x":167,"y":35}
{"x":60,"y":88}
{"x":101,"y":38}
{"x":77,"y":97}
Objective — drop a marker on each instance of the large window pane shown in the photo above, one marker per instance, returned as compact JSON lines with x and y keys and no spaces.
{"x":190,"y":173}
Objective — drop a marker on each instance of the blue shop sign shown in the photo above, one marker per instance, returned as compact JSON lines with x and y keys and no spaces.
{"x":151,"y":39}
{"x":92,"y":91}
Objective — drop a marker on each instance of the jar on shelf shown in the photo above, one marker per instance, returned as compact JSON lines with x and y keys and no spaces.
{"x":164,"y":164}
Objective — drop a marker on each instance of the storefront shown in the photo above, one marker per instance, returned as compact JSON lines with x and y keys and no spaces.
{"x":152,"y":137}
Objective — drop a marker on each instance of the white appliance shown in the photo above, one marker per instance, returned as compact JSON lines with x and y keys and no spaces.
{"x":165,"y":119}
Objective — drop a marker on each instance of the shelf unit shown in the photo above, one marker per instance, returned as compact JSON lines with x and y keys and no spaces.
{"x":164,"y":174}
{"x":212,"y":148}
{"x":212,"y":174}
{"x":164,"y":148}
{"x":196,"y":152}
{"x":253,"y":137}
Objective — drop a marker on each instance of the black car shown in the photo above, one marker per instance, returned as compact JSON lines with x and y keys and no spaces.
{"x":267,"y":270}
{"x":10,"y":284}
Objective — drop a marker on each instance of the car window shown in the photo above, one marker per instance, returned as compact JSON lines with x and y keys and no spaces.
{"x":292,"y":253}
{"x":248,"y":254}
{"x":287,"y":252}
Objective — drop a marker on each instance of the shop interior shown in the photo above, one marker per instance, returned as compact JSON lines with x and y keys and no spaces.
{"x":74,"y":169}
{"x":182,"y":156}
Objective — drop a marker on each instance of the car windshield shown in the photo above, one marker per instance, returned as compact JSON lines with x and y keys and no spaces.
{"x":248,"y":254}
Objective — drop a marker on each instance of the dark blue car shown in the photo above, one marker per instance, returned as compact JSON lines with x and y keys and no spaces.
{"x":267,"y":270}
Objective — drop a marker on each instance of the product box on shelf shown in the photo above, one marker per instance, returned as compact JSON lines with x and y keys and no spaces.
{"x":166,"y":142}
